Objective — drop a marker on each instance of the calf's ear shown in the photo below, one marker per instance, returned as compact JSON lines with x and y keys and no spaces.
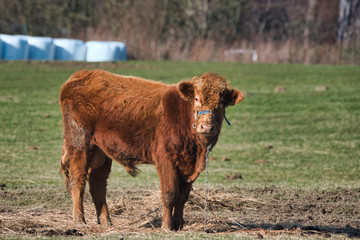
{"x":186,"y":90}
{"x":234,"y":97}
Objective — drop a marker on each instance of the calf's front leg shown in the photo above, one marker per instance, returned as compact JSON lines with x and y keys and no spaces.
{"x":169,"y":182}
{"x":185,"y":189}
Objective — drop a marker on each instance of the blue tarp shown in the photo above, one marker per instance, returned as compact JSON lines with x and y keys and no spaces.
{"x":69,"y":49}
{"x":41,"y":48}
{"x":103,"y":51}
{"x":14,"y":47}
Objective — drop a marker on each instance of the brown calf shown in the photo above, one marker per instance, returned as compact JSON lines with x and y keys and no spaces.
{"x":132,"y":120}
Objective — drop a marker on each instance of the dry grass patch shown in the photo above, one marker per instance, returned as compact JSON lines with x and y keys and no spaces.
{"x":137,"y":212}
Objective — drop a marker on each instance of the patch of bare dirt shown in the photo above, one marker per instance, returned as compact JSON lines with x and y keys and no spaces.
{"x":257,"y":213}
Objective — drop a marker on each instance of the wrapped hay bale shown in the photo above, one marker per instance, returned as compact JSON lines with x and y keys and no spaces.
{"x":69,"y":49}
{"x":41,"y":48}
{"x":1,"y":47}
{"x":14,"y":47}
{"x":102,"y":51}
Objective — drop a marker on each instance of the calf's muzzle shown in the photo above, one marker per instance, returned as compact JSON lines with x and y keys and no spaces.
{"x":206,"y":123}
{"x":206,"y":128}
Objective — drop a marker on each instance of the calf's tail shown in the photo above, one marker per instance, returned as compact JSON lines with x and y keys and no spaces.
{"x":65,"y":165}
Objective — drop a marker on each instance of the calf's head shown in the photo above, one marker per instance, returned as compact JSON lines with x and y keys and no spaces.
{"x":210,"y":94}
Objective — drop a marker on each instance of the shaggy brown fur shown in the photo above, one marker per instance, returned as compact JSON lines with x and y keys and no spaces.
{"x":132,"y":120}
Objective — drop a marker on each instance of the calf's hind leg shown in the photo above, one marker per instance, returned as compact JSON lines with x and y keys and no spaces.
{"x":78,"y":175}
{"x":97,"y":181}
{"x":76,"y":143}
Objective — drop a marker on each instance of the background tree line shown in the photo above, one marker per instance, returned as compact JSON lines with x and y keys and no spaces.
{"x":309,"y":31}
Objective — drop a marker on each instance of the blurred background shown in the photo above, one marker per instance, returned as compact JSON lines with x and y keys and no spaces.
{"x":272,"y":31}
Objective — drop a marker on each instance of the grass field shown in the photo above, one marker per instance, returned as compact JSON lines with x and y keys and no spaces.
{"x":299,"y":141}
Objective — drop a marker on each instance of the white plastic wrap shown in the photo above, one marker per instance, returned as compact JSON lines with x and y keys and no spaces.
{"x":69,"y":49}
{"x":14,"y":47}
{"x":103,"y":51}
{"x":22,"y":47}
{"x":41,"y":48}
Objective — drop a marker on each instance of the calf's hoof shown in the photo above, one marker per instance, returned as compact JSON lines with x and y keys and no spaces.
{"x":178,"y":225}
{"x":105,"y":222}
{"x":79,"y":222}
{"x":166,"y":226}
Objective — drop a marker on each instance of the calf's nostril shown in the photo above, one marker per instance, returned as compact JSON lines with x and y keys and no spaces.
{"x":206,"y":128}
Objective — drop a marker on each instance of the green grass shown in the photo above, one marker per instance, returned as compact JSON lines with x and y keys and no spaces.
{"x":315,"y":135}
